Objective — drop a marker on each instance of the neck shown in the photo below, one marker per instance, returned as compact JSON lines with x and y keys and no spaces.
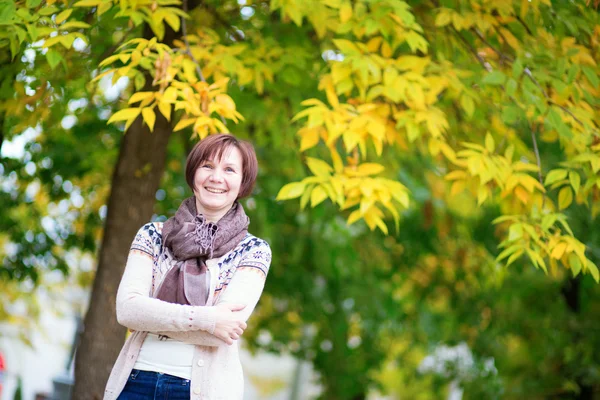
{"x":211,"y":215}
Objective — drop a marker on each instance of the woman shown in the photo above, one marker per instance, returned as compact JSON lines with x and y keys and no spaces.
{"x":191,"y":283}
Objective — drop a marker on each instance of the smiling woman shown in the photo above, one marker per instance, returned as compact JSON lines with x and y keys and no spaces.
{"x":191,"y":283}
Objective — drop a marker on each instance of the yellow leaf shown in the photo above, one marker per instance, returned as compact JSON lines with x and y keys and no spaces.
{"x":139,"y":96}
{"x":225,"y":101}
{"x":365,"y":169}
{"x":309,"y":138}
{"x":123,"y":115}
{"x":354,"y":216}
{"x":317,"y":196}
{"x":510,"y":39}
{"x":345,"y":12}
{"x":443,"y":18}
{"x":386,"y":50}
{"x":165,"y":109}
{"x":318,"y":167}
{"x":88,"y":3}
{"x":306,"y":196}
{"x":149,"y":117}
{"x":374,"y":43}
{"x":467,"y":103}
{"x":558,"y":250}
{"x":565,"y":197}
{"x":170,"y":95}
{"x":184,"y":123}
{"x":522,"y":194}
{"x":489,"y":143}
{"x":291,"y":191}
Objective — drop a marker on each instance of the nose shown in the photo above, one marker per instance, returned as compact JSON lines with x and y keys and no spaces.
{"x":216,"y":175}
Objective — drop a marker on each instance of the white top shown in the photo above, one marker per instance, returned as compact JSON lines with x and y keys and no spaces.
{"x":166,"y":355}
{"x":160,"y":353}
{"x":237,"y":277}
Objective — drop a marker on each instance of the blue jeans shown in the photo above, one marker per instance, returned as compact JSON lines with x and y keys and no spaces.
{"x":147,"y":385}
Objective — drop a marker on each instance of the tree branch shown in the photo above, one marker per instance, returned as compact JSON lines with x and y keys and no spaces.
{"x":238,"y":37}
{"x":483,"y":39}
{"x":524,"y":25}
{"x":483,"y":63}
{"x":539,"y":162}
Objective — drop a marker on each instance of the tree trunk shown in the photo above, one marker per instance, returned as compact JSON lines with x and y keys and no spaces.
{"x":135,"y":181}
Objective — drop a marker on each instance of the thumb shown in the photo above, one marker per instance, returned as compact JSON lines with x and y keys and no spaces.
{"x":236,"y":307}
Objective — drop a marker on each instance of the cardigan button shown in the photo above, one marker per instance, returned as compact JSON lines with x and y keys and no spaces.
{"x":197,"y":390}
{"x":201,"y":363}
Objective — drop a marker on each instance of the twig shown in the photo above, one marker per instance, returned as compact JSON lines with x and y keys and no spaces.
{"x":539,"y":163}
{"x":224,"y":23}
{"x":115,"y":46}
{"x":528,"y":73}
{"x":189,"y":51}
{"x":483,"y":39}
{"x":524,"y":25}
{"x":483,"y":63}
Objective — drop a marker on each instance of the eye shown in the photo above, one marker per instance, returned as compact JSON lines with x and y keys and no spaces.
{"x":229,"y":169}
{"x":207,"y":166}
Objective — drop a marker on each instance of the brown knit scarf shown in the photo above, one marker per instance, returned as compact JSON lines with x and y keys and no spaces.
{"x":193,"y":240}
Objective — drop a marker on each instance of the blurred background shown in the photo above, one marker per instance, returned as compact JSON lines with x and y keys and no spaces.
{"x":424,"y":309}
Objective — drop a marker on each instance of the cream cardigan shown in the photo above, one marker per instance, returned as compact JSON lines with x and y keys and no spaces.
{"x":237,"y":277}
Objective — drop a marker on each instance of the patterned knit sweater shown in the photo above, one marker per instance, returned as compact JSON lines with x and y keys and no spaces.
{"x":237,"y":277}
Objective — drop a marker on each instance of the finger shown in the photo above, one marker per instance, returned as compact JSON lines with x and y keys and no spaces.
{"x":243,"y":325}
{"x":239,"y":331}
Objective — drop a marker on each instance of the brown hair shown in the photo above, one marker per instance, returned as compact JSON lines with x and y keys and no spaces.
{"x":214,"y":146}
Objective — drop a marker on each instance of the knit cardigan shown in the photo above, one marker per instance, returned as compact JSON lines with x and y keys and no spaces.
{"x":237,"y":277}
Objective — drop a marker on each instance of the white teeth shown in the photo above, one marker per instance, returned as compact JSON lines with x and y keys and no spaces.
{"x":218,"y":191}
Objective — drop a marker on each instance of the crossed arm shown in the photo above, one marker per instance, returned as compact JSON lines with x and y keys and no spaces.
{"x":201,"y":325}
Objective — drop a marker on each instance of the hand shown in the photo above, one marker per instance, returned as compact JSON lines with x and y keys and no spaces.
{"x":229,"y":325}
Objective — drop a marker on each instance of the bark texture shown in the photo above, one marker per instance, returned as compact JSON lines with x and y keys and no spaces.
{"x":136,"y":179}
{"x":135,"y":182}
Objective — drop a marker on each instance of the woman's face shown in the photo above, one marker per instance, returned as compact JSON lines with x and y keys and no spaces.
{"x":217,"y":183}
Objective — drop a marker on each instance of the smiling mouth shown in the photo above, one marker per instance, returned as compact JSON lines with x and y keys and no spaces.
{"x":216,"y":191}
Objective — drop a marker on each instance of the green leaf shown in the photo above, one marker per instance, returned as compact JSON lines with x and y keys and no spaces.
{"x":573,"y":71}
{"x":590,"y":74}
{"x":593,"y":270}
{"x":575,"y":181}
{"x":555,"y":175}
{"x":575,"y":264}
{"x":63,"y":16}
{"x":33,"y":3}
{"x":511,"y":87}
{"x":510,"y":114}
{"x":494,"y":78}
{"x":517,"y":69}
{"x":565,"y":198}
{"x":555,"y":121}
{"x":48,"y":10}
{"x":467,"y":103}
{"x":53,"y":58}
{"x":7,"y":11}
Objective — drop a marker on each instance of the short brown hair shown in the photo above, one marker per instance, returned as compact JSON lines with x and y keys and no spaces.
{"x":213,"y":146}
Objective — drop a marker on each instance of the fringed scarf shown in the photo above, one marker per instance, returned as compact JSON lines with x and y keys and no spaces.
{"x":193,"y":240}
